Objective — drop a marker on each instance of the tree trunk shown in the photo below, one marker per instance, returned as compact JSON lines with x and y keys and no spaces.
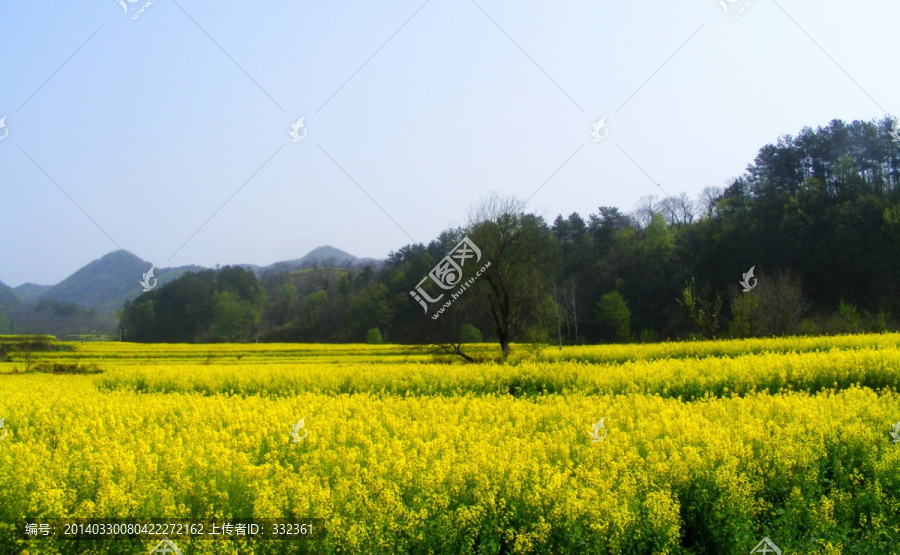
{"x":504,"y":345}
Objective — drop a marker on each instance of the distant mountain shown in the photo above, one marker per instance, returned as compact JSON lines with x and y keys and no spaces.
{"x":360,"y":262}
{"x":8,"y":296}
{"x":106,"y":283}
{"x":31,"y":292}
{"x":322,"y":254}
{"x":9,"y":304}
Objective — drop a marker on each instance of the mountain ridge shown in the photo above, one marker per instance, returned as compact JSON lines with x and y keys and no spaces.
{"x":106,"y":283}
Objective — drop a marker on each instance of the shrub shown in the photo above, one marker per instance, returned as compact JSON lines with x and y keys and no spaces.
{"x":615,"y":316}
{"x":469,"y":334}
{"x":648,"y":335}
{"x":373,"y":337}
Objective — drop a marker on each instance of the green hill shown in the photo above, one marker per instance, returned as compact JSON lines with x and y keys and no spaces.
{"x":319,"y":255}
{"x":8,"y":296}
{"x":106,"y":283}
{"x":31,"y":292}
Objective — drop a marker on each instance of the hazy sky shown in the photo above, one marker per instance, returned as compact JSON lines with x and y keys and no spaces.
{"x":145,"y":127}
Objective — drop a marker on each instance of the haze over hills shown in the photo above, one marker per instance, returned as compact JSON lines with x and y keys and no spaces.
{"x":31,"y":292}
{"x":106,"y":283}
{"x":319,"y":255}
{"x":103,"y":284}
{"x":8,"y":296}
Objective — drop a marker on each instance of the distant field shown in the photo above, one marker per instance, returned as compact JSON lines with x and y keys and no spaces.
{"x":710,"y":446}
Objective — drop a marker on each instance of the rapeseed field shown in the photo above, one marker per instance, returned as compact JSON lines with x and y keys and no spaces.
{"x":706,"y":447}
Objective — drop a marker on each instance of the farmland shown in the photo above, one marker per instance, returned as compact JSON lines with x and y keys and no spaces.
{"x":709,"y":446}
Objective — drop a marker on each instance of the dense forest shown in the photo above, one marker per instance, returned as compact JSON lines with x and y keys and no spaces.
{"x":816,"y":215}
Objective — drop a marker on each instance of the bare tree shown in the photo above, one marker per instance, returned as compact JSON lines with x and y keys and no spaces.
{"x":677,"y":210}
{"x":559,"y":312}
{"x":707,"y":200}
{"x":565,"y":307}
{"x":686,"y":208}
{"x":522,"y":254}
{"x":646,"y":207}
{"x":774,"y":307}
{"x":570,"y":308}
{"x":781,"y":304}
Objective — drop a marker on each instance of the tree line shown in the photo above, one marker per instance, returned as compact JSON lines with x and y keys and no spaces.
{"x":816,"y":215}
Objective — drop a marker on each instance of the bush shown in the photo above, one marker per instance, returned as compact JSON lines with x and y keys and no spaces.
{"x":469,"y":334}
{"x":849,"y":319}
{"x":615,"y":316}
{"x":703,"y":308}
{"x":373,"y":337}
{"x":781,"y":305}
{"x":744,"y":315}
{"x":648,"y":335}
{"x":810,"y":328}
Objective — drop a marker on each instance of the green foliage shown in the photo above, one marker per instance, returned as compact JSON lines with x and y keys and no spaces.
{"x":233,"y":318}
{"x":285,"y":303}
{"x":660,"y":240}
{"x":370,"y":307}
{"x":613,"y":313}
{"x":212,"y":305}
{"x":809,"y":327}
{"x":849,"y":319}
{"x":373,"y":337}
{"x":744,"y":315}
{"x":469,"y":334}
{"x":648,"y":335}
{"x":5,"y":325}
{"x":879,"y":322}
{"x":703,"y":307}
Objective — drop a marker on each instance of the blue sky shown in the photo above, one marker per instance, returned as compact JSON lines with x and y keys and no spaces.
{"x":145,"y":127}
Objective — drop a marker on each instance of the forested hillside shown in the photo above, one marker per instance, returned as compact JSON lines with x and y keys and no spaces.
{"x":817,"y":215}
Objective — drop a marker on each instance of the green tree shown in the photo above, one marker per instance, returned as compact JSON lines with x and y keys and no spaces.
{"x":373,"y":337}
{"x":233,"y":318}
{"x":469,"y":334}
{"x":703,"y":307}
{"x":744,"y":315}
{"x":285,"y":302}
{"x":614,"y":315}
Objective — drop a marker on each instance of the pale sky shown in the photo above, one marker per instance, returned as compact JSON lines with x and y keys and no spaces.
{"x":132,"y":133}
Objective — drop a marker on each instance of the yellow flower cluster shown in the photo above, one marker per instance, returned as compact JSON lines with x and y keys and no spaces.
{"x":406,"y":456}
